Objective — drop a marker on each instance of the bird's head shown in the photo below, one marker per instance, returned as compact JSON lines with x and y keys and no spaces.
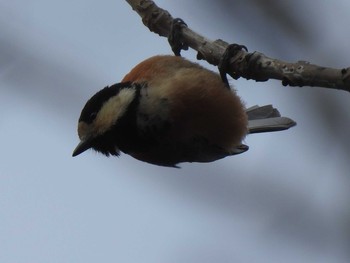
{"x":101,"y":115}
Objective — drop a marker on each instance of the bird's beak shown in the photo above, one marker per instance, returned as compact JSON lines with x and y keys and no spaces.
{"x":82,"y":147}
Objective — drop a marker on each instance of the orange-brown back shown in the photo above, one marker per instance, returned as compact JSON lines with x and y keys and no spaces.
{"x":199,"y":102}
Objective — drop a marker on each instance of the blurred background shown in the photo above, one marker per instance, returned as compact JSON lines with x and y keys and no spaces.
{"x":286,"y":200}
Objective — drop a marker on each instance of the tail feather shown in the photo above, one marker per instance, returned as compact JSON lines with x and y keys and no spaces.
{"x":267,"y":119}
{"x":263,"y":112}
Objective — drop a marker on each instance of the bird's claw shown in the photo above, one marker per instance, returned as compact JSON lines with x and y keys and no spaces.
{"x":174,"y":37}
{"x":224,"y":63}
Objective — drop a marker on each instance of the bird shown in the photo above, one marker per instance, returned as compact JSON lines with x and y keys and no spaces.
{"x":168,"y":110}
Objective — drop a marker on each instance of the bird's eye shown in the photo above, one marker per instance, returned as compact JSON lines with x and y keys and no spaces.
{"x":92,"y":116}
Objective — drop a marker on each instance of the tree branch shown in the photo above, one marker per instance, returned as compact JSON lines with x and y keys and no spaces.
{"x":253,"y":65}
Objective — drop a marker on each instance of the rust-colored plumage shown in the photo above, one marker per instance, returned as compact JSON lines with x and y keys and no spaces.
{"x":201,"y":105}
{"x":168,"y":110}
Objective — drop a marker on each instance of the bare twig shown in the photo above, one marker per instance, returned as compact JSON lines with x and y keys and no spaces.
{"x":254,"y":65}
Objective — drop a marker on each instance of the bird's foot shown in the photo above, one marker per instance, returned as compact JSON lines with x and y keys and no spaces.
{"x":224,"y":63}
{"x":175,"y":36}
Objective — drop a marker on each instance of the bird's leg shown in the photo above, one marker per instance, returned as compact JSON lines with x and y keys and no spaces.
{"x":224,"y":63}
{"x":174,"y":37}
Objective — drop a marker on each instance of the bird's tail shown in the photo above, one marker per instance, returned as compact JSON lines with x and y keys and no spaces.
{"x":267,"y":119}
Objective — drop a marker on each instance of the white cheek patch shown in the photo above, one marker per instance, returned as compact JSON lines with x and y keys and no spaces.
{"x":112,"y":110}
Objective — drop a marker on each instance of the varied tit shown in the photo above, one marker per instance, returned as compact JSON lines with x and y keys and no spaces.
{"x":168,"y":110}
